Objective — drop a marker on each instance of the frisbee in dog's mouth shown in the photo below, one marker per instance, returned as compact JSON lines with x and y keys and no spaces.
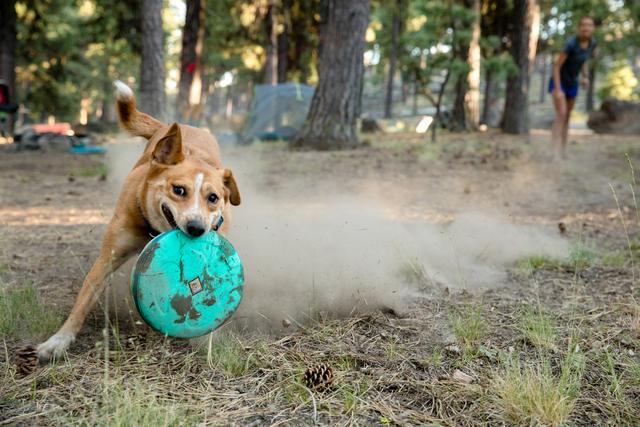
{"x":169,"y":216}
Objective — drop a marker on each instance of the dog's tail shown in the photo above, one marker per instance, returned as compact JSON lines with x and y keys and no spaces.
{"x":133,"y":121}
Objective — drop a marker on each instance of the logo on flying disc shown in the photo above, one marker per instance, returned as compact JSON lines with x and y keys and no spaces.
{"x":195,"y":285}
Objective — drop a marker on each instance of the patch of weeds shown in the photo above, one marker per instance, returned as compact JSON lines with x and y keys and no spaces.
{"x":616,"y":259}
{"x":412,"y":271}
{"x":537,"y":328}
{"x":295,"y":393}
{"x":91,"y":171}
{"x":529,"y":264}
{"x":468,"y":325}
{"x":581,"y":257}
{"x":227,"y":354}
{"x":531,"y":394}
{"x":138,"y":404}
{"x":4,"y":268}
{"x":393,"y":350}
{"x":23,"y":315}
{"x":346,"y":363}
{"x":353,"y":394}
{"x":434,"y":359}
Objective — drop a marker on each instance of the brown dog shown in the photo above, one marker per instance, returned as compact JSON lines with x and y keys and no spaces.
{"x":178,"y":182}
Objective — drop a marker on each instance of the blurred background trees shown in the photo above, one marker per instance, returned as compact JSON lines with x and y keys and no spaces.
{"x":465,"y":63}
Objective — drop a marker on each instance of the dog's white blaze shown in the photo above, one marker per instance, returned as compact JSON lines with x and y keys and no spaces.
{"x":195,"y":208}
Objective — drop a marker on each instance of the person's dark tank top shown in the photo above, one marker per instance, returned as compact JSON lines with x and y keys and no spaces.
{"x":576,"y":56}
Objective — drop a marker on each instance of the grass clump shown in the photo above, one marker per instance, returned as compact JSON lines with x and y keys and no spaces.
{"x":537,"y":328}
{"x":531,"y":394}
{"x":227,"y":354}
{"x":138,"y":404}
{"x":469,"y":329}
{"x":23,"y":315}
{"x":581,"y":257}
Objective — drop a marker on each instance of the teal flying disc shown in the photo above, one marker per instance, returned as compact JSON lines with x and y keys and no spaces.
{"x":186,"y":286}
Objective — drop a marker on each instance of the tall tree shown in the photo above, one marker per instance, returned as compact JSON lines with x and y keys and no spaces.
{"x":283,"y":41}
{"x":8,"y":48}
{"x":271,"y":63}
{"x":464,"y":115}
{"x":396,"y":29}
{"x":335,"y":107}
{"x":190,"y":85}
{"x":526,"y":24}
{"x":472,"y":98}
{"x":152,"y":96}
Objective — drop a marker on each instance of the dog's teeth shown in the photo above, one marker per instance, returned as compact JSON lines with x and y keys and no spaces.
{"x":122,"y":90}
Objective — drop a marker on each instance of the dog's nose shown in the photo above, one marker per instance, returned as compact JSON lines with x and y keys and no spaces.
{"x":195,"y":228}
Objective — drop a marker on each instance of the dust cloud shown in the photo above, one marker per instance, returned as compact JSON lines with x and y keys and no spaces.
{"x":309,"y":253}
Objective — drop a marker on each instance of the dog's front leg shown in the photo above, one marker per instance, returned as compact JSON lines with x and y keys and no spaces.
{"x":116,"y":249}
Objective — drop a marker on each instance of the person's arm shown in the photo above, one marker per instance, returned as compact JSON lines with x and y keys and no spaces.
{"x":557,"y":64}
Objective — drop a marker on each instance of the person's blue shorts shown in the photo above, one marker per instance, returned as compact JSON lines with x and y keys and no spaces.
{"x":569,"y":92}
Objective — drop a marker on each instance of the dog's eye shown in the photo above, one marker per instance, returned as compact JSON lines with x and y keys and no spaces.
{"x":179,"y":191}
{"x":213,"y":198}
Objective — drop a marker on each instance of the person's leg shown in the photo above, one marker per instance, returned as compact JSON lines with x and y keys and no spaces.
{"x":557,"y":130}
{"x":565,"y":130}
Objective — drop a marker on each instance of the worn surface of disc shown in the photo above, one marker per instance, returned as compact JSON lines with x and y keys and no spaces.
{"x":186,"y":287}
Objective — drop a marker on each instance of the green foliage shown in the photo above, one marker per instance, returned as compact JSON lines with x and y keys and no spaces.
{"x":620,"y":83}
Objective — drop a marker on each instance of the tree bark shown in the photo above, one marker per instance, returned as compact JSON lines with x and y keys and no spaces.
{"x":590,"y":99}
{"x":393,"y":58}
{"x":472,"y":98}
{"x":190,"y":85}
{"x":524,"y":39}
{"x":489,"y":90}
{"x":8,"y":50}
{"x":543,"y":77}
{"x":152,"y":97}
{"x":283,"y":42}
{"x":335,"y":107}
{"x":271,"y":62}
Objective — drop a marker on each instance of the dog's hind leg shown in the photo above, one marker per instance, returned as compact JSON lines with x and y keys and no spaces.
{"x":116,"y":249}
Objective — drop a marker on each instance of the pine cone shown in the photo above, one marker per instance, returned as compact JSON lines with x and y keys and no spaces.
{"x":26,"y":360}
{"x":318,"y":377}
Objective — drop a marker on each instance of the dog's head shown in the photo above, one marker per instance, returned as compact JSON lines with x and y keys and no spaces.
{"x":183,"y":191}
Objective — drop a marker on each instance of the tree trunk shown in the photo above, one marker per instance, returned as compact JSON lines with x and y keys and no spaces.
{"x":283,"y":42}
{"x":472,"y":98}
{"x":271,"y":62}
{"x":524,"y":39}
{"x":393,"y":59}
{"x":458,"y":113}
{"x":8,"y":50}
{"x":487,"y":104}
{"x":590,"y":100}
{"x":152,"y":98}
{"x":335,"y":107}
{"x":190,"y":86}
{"x":543,"y":77}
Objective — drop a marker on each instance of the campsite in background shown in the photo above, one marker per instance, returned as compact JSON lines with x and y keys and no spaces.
{"x":414,"y":251}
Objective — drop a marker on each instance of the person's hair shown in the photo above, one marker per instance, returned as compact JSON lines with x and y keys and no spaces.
{"x":587,"y":17}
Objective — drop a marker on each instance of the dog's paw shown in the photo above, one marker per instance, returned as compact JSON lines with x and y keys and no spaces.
{"x":55,"y":347}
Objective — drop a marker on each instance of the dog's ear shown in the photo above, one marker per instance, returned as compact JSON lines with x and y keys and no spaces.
{"x":232,"y":193}
{"x":168,"y":150}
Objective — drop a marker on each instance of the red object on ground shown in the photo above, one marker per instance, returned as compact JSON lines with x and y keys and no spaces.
{"x":62,"y":128}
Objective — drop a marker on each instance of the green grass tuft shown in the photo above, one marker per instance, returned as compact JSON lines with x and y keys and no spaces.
{"x":91,"y":171}
{"x":533,"y":395}
{"x":538,"y":329}
{"x":23,"y":315}
{"x":227,"y":354}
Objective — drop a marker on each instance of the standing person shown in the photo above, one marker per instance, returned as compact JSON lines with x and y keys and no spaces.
{"x":564,"y":81}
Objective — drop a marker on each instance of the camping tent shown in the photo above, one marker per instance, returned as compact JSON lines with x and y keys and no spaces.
{"x":277,"y":111}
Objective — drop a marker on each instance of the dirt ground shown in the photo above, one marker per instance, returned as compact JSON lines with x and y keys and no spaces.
{"x":558,"y":345}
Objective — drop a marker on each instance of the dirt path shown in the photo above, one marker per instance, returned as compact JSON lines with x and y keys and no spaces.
{"x":54,"y":207}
